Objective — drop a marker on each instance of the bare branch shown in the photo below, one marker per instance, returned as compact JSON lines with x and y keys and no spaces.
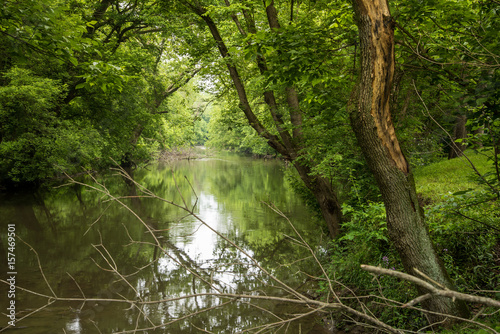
{"x":432,"y":289}
{"x":359,"y":314}
{"x":39,"y":265}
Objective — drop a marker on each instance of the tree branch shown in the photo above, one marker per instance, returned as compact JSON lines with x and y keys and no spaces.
{"x":431,"y":288}
{"x":236,"y":20}
{"x":253,"y":120}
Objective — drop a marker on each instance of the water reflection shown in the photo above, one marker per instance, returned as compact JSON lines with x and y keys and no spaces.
{"x":71,"y":227}
{"x":74,"y":326}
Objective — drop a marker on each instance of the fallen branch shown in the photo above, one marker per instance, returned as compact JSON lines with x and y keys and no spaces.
{"x":433,"y":290}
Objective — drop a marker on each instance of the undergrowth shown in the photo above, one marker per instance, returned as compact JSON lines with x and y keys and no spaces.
{"x":463,"y":216}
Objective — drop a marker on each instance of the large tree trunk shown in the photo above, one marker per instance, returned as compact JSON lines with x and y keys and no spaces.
{"x":372,"y":124}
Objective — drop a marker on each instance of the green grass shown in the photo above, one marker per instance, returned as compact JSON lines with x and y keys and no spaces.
{"x":470,"y":258}
{"x":450,"y":176}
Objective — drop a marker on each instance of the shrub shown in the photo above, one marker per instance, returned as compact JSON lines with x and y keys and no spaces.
{"x":465,"y":228}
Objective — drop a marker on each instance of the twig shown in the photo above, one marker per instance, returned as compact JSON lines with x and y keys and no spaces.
{"x":141,"y":304}
{"x":275,"y":209}
{"x":39,"y":266}
{"x":417,"y":300}
{"x":97,"y":220}
{"x":178,"y":319}
{"x":281,"y":322}
{"x":477,"y":221}
{"x":79,"y":288}
{"x":50,"y":302}
{"x":429,"y":279}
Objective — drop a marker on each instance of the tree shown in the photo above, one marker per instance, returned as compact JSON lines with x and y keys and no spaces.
{"x":80,"y":83}
{"x":372,"y":124}
{"x":229,"y":130}
{"x":447,"y":52}
{"x":33,"y":140}
{"x":285,"y":135}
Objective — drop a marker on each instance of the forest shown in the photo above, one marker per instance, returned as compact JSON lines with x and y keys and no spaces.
{"x":386,"y":114}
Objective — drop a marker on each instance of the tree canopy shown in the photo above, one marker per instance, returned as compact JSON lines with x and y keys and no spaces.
{"x":83,"y":83}
{"x":354,"y":95}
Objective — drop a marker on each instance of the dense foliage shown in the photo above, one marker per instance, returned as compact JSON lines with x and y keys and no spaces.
{"x":462,"y":216}
{"x":85,"y":83}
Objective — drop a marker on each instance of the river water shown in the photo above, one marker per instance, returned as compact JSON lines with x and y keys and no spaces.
{"x":91,"y":247}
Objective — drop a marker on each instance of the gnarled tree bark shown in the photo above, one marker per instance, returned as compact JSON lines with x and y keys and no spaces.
{"x":372,"y":124}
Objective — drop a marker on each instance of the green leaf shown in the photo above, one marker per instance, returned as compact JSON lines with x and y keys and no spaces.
{"x":73,"y":61}
{"x":480,"y":102}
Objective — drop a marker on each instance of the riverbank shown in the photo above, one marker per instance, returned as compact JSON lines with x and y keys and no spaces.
{"x":185,"y":153}
{"x":200,"y":152}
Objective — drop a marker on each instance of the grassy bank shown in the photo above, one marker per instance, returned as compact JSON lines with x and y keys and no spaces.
{"x":463,"y":218}
{"x":450,"y":176}
{"x":464,"y":226}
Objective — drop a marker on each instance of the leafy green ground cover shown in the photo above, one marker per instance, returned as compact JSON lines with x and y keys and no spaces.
{"x":463,"y":222}
{"x":463,"y":218}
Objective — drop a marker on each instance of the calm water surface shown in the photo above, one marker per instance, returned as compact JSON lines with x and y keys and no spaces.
{"x":85,"y":242}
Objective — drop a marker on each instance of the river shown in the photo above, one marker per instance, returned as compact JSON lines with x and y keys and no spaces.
{"x":89,"y":246}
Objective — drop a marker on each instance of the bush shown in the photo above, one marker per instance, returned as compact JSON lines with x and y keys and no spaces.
{"x":364,"y":240}
{"x":35,"y":143}
{"x":465,"y":228}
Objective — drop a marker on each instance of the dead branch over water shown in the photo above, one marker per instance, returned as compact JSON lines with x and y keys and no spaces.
{"x":358,"y":311}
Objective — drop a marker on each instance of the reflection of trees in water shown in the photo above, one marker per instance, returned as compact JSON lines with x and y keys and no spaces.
{"x":3,"y":256}
{"x":80,"y":217}
{"x":144,"y":280}
{"x":228,"y":270}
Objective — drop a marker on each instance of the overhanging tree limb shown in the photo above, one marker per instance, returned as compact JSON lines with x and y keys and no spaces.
{"x":290,"y":148}
{"x":238,"y":84}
